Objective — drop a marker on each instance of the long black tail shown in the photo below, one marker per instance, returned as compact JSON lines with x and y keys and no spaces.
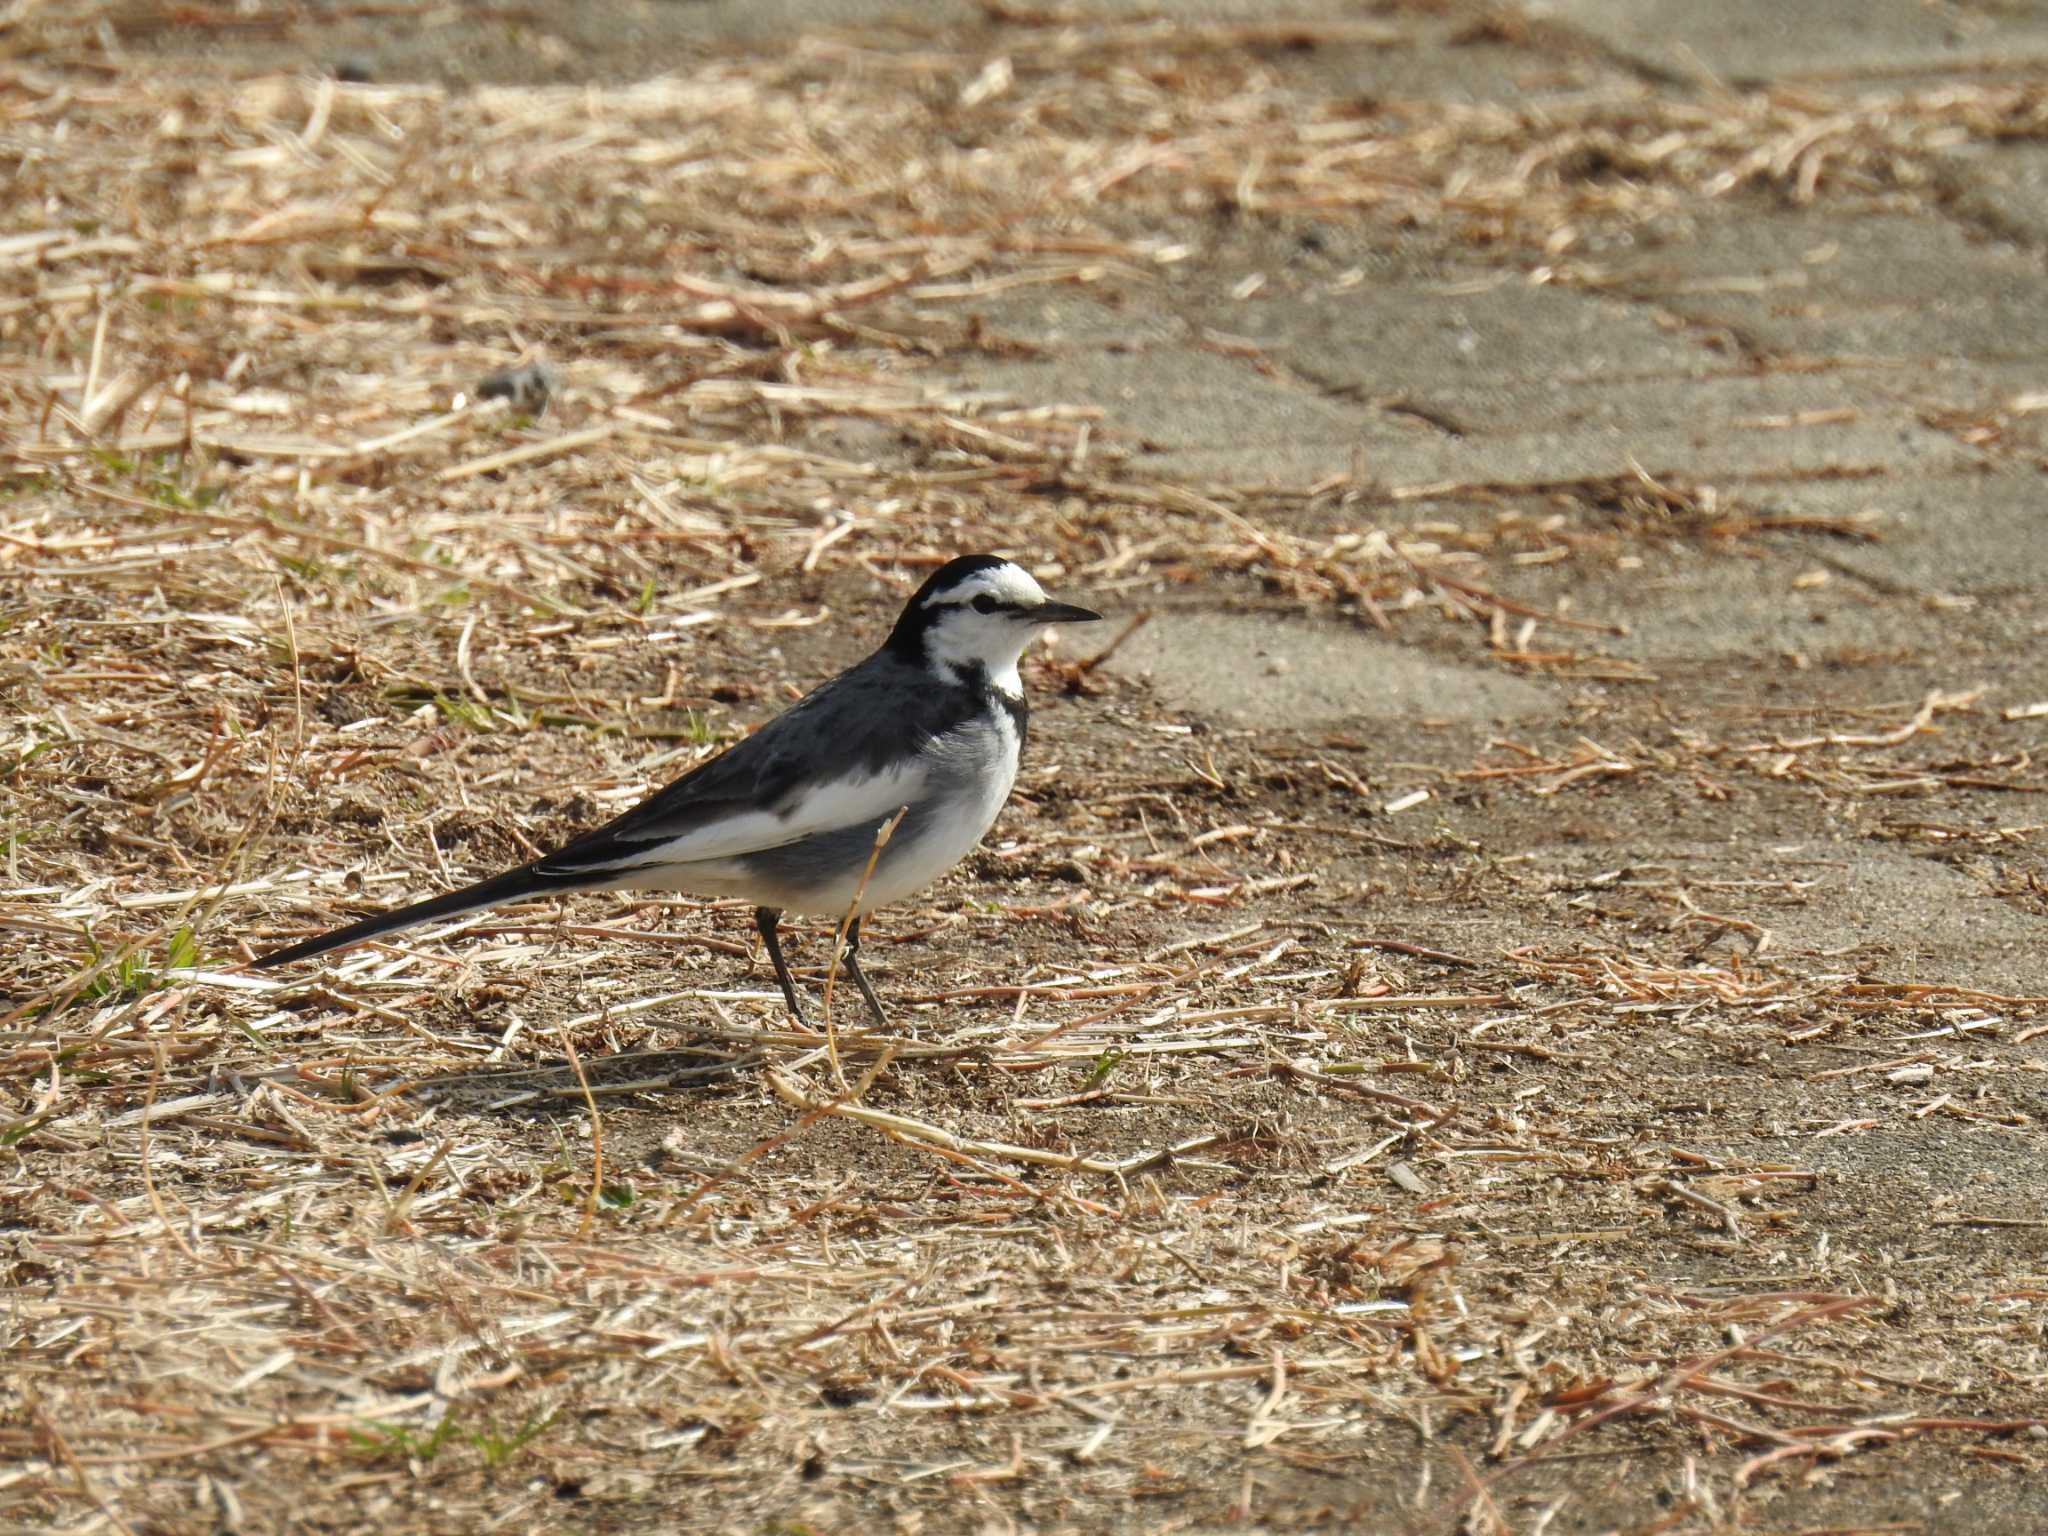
{"x":499,"y":889}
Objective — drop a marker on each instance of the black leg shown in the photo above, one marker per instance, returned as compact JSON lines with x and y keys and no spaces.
{"x":853,"y":970}
{"x":765,"y":919}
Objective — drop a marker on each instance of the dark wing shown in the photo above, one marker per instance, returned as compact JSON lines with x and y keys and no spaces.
{"x":845,"y":754}
{"x":842,"y":755}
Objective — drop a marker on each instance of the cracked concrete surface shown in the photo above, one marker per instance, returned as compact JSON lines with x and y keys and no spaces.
{"x":1240,"y":670}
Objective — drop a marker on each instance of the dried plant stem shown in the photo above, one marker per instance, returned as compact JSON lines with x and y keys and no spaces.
{"x":882,"y":835}
{"x":596,"y":1136}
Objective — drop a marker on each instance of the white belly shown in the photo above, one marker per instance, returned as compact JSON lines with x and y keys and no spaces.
{"x":985,"y":774}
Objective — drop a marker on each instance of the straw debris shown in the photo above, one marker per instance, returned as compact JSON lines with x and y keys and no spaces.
{"x":396,"y":479}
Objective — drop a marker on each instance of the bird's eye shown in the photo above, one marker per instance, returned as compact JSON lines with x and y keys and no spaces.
{"x":985,"y":604}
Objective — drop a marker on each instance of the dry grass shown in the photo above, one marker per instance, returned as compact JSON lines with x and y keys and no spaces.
{"x":1192,"y":1191}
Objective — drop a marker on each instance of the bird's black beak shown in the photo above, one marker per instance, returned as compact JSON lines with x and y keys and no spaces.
{"x":1063,"y":613}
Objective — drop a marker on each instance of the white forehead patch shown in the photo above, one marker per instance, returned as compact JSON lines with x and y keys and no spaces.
{"x":1006,"y":582}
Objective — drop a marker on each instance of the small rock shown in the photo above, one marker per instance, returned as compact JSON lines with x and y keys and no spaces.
{"x":527,"y":387}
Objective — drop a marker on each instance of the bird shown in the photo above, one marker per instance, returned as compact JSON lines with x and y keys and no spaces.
{"x":931,"y":725}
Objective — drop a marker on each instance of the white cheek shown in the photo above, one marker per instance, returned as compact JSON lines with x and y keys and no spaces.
{"x":992,"y":640}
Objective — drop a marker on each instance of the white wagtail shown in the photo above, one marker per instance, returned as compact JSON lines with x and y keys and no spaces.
{"x":930,"y":725}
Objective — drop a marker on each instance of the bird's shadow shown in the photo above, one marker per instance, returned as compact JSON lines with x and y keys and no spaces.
{"x":560,"y":1089}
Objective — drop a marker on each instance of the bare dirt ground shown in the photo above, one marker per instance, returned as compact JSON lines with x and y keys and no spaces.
{"x":1511,"y":999}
